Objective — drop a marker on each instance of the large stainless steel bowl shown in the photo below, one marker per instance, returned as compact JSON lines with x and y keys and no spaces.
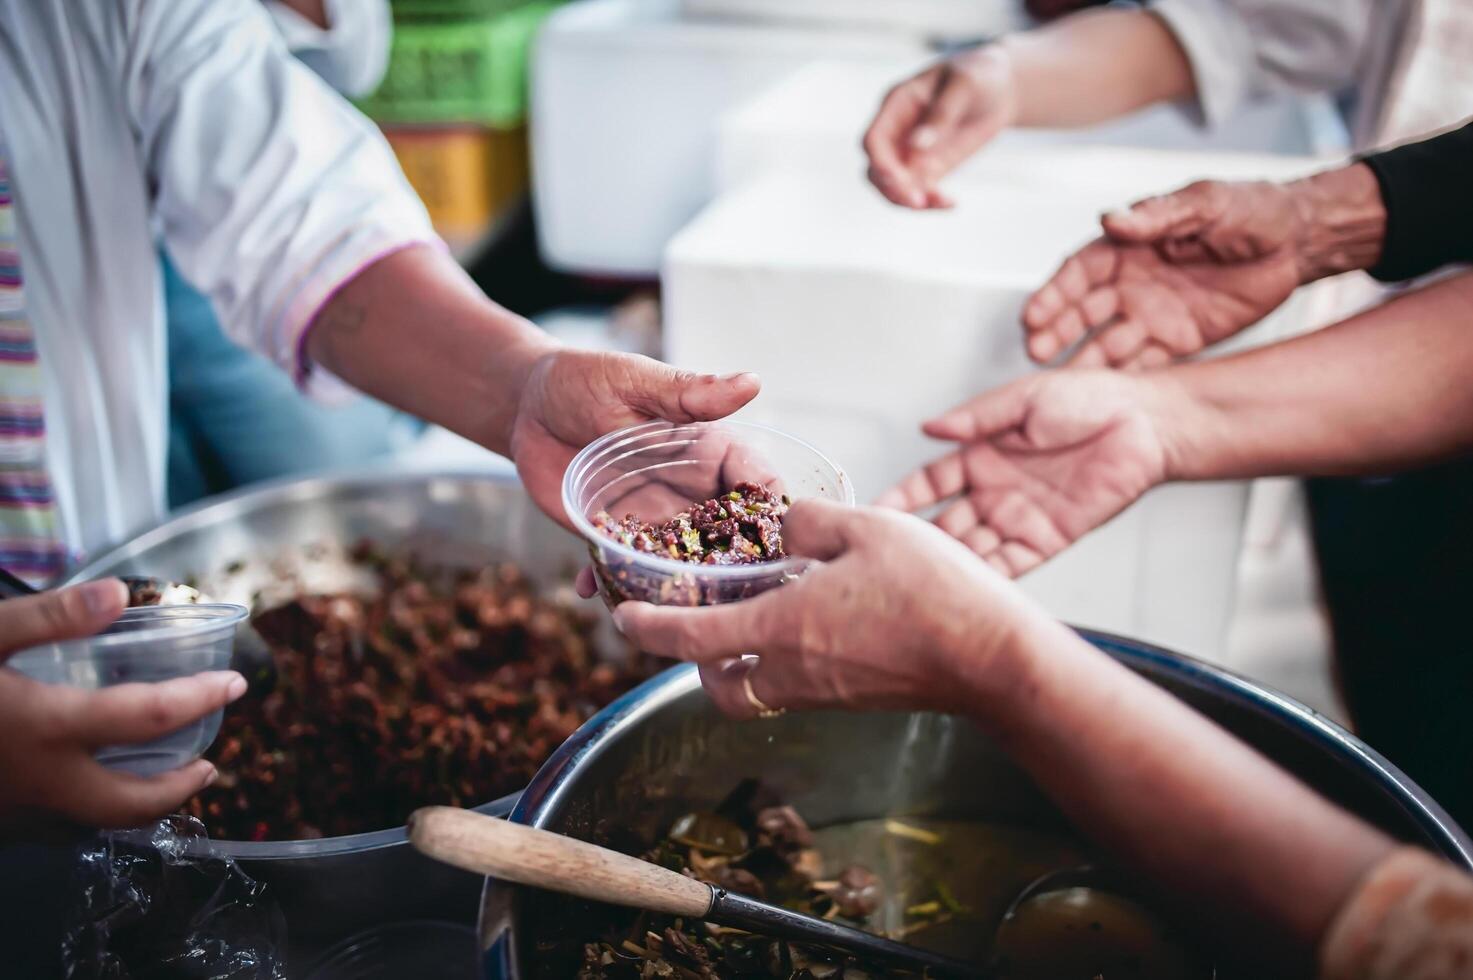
{"x":267,"y":543}
{"x":663,"y":750}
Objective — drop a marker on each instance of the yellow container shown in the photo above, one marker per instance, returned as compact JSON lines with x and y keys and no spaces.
{"x":469,"y":177}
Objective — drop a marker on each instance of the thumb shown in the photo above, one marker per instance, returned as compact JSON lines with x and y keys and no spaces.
{"x":942,"y":117}
{"x":822,"y":529}
{"x":63,"y":614}
{"x":984,"y":416}
{"x":661,"y":391}
{"x":1175,"y":215}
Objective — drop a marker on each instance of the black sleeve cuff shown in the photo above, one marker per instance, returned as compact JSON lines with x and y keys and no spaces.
{"x":1427,"y":188}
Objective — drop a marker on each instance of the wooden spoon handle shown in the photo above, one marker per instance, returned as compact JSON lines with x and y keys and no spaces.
{"x":542,"y":859}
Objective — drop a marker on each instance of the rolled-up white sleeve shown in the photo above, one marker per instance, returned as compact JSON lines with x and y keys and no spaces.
{"x":271,"y":191}
{"x":1246,"y":49}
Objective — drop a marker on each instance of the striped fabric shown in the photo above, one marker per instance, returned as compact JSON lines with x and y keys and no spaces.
{"x":30,"y":546}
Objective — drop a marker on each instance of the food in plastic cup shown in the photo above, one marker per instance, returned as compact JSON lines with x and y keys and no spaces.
{"x":147,"y":644}
{"x":656,"y":470}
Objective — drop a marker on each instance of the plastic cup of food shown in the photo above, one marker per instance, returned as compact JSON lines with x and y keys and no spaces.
{"x":146,"y":644}
{"x":654,"y":471}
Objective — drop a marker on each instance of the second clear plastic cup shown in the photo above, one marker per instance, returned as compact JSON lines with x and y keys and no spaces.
{"x":149,"y":643}
{"x":654,"y":471}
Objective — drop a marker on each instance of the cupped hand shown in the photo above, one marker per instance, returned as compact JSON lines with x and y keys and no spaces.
{"x":1039,"y":463}
{"x":572,"y":397}
{"x":928,"y":124}
{"x":1172,"y":275}
{"x":897,"y":616}
{"x":49,"y":733}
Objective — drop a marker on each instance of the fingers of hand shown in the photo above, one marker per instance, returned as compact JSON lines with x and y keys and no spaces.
{"x":823,"y":530}
{"x":1005,"y":528}
{"x":1080,"y":296}
{"x":658,"y":390}
{"x":1019,"y":520}
{"x":743,"y":462}
{"x":898,"y":186}
{"x":99,"y":797}
{"x":1186,"y":251}
{"x":744,"y":688}
{"x":939,"y":200}
{"x":987,"y":415}
{"x":941,"y":121}
{"x":706,"y":397}
{"x":884,"y":143}
{"x":725,"y":683}
{"x":960,"y":518}
{"x":1115,"y":345}
{"x":1014,"y":558}
{"x":1177,"y":214}
{"x":63,"y":614}
{"x":586,"y":583}
{"x":705,"y":633}
{"x":130,"y":713}
{"x":931,"y":484}
{"x":1153,"y":355}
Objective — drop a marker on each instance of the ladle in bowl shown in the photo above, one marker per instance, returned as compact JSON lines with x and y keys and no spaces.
{"x":539,"y":858}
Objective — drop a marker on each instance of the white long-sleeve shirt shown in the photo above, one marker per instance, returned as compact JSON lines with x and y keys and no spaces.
{"x":129,"y":121}
{"x":1408,"y":62}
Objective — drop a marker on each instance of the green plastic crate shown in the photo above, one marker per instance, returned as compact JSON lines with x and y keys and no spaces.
{"x":472,"y":71}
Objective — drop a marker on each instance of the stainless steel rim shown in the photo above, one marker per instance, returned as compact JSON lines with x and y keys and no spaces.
{"x":271,"y":493}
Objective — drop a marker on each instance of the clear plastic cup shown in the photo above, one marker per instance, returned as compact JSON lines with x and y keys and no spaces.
{"x":148,"y":644}
{"x":654,"y":471}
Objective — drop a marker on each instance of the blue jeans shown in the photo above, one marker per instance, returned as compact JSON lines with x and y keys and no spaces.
{"x":236,"y":418}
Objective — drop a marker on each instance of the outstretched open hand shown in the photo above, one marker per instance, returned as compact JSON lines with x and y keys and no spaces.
{"x":1039,"y":463}
{"x":1171,"y":275}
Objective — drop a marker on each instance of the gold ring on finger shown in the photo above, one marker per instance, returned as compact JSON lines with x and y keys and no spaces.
{"x":763,"y":711}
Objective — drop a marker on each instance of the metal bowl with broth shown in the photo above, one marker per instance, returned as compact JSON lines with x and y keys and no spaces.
{"x":663,"y":751}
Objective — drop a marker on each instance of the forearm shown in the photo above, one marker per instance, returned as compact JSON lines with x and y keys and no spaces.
{"x":1095,"y":66}
{"x":1398,"y":214}
{"x":1384,"y":390}
{"x":1342,"y":219}
{"x":414,"y":331}
{"x":1174,"y":795}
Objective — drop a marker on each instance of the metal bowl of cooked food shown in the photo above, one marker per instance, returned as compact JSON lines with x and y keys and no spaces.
{"x":426,"y":645}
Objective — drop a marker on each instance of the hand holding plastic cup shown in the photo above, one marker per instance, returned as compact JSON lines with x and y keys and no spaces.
{"x":146,"y":644}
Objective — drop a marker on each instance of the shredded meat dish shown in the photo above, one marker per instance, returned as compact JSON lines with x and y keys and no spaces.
{"x":446,"y":687}
{"x":740,"y":527}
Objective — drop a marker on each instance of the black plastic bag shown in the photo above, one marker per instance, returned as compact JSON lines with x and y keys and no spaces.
{"x":160,"y":904}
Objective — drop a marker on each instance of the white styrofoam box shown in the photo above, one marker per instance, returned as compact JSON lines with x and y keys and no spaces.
{"x":625,"y":98}
{"x":942,"y":20}
{"x":813,"y":120}
{"x":863,"y":319}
